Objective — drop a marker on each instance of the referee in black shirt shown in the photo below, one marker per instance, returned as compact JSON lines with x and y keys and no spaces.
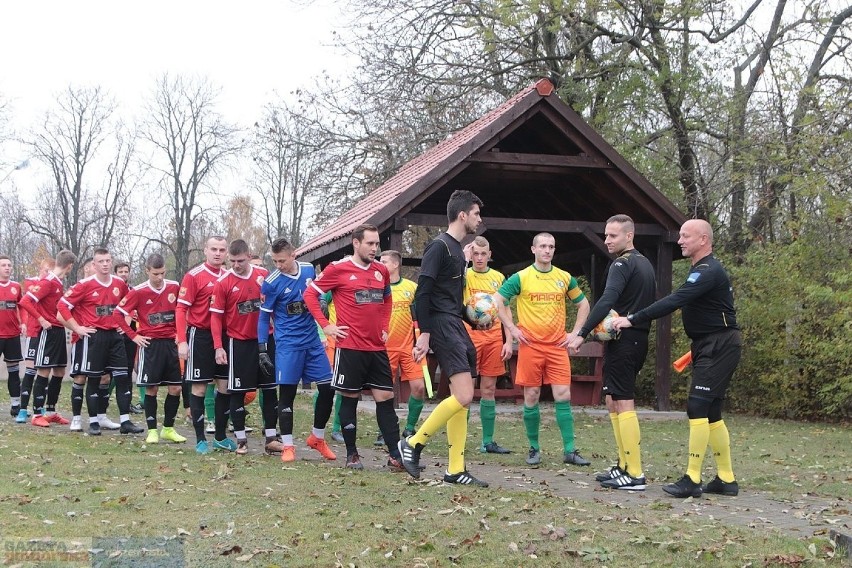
{"x":707,"y":307}
{"x":630,"y":287}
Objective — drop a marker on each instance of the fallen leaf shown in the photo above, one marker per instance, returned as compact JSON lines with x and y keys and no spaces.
{"x":236,"y":549}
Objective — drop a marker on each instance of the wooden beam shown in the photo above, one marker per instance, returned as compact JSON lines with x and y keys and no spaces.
{"x":539,"y":225}
{"x":524,"y":160}
{"x":663,"y":368}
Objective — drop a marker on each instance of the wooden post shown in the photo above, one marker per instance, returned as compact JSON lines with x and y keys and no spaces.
{"x":663,"y":369}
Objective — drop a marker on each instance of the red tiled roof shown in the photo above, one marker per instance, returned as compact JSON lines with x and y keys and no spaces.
{"x":370,"y":208}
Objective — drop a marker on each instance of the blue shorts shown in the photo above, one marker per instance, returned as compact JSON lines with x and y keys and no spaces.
{"x":309,"y":364}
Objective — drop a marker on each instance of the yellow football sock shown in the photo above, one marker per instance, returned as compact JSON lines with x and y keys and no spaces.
{"x":448,"y":408}
{"x":720,"y":443}
{"x":456,"y":437}
{"x":631,"y":437}
{"x":616,"y":429}
{"x":699,"y":436}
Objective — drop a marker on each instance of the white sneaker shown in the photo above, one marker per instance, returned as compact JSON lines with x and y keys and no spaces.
{"x":76,"y":424}
{"x":210,"y":429}
{"x":108,"y":424}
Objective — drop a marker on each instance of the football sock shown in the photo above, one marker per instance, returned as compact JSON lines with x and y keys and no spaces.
{"x":210,"y":403}
{"x":456,"y":437}
{"x":170,"y":409}
{"x":335,"y":426}
{"x":141,"y":394}
{"x":76,"y":399}
{"x":54,"y":388}
{"x":39,"y":392}
{"x":123,"y":391}
{"x":447,"y":408}
{"x":616,"y":430}
{"x":323,"y":406}
{"x":532,"y":420}
{"x":348,"y":422}
{"x":238,"y":411}
{"x":103,"y":397}
{"x":699,"y":436}
{"x":415,"y":408}
{"x":720,"y":443}
{"x":487,"y":415}
{"x":196,"y":409}
{"x":221,"y":411}
{"x":150,"y":405}
{"x":286,"y":396}
{"x":631,"y":438}
{"x":27,"y":386}
{"x":269,"y":408}
{"x":14,"y":382}
{"x":388,"y":425}
{"x":94,"y":396}
{"x":565,"y":421}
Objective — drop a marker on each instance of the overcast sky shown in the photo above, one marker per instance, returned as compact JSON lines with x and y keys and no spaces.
{"x":251,"y":49}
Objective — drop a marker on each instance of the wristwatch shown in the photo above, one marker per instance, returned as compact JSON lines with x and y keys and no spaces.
{"x":630,"y":317}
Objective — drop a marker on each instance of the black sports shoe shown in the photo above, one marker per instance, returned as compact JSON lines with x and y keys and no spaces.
{"x":128,"y":427}
{"x":683,"y":488}
{"x":407,"y":433}
{"x":493,"y":448}
{"x":353,"y":461}
{"x":611,"y":473}
{"x":464,"y":478}
{"x":14,"y":410}
{"x":575,"y":458}
{"x":136,"y":408}
{"x":625,"y":481}
{"x":94,"y":429}
{"x":380,"y":440}
{"x":720,"y":487}
{"x":410,"y":457}
{"x":534,"y":457}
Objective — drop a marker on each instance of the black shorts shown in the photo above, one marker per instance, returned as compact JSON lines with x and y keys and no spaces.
{"x":201,"y":361}
{"x":355,"y":370}
{"x":623,"y":359}
{"x":10,"y":347}
{"x":158,"y":364}
{"x":48,"y":349}
{"x":98,"y":354}
{"x":243,"y":368}
{"x":452,"y":346}
{"x":714,"y":360}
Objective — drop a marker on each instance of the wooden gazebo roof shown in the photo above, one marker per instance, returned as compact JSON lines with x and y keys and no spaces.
{"x":538,"y":166}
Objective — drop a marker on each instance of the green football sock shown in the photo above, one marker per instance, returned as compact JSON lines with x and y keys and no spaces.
{"x":415,"y":407}
{"x":487,"y":415}
{"x":565,"y":421}
{"x":210,"y":402}
{"x":335,"y":426}
{"x":141,"y":395}
{"x":532,"y":420}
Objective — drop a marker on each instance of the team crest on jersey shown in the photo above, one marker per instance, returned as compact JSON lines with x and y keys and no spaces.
{"x":115,"y":291}
{"x":378,"y":275}
{"x":494,"y":284}
{"x":172,"y":298}
{"x":407,"y":294}
{"x":182,"y":291}
{"x":14,"y":291}
{"x":35,"y":289}
{"x":560,"y":283}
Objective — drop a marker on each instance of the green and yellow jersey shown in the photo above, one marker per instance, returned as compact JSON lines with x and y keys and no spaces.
{"x":541,"y":301}
{"x":401,"y":332}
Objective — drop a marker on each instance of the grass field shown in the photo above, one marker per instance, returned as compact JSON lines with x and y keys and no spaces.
{"x":69,"y":496}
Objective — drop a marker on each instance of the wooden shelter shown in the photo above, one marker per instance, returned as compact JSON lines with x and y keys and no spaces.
{"x":537,"y":166}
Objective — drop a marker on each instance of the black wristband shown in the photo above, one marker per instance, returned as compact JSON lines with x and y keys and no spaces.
{"x":261,"y":347}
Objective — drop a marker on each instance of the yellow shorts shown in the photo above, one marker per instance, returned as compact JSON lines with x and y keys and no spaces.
{"x":542,"y":365}
{"x":489,"y":363}
{"x":404,"y":360}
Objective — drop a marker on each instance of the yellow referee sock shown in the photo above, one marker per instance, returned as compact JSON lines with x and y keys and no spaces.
{"x":448,"y":408}
{"x":720,"y":443}
{"x":631,"y":437}
{"x":699,"y":436}
{"x":456,"y":437}
{"x":616,"y":429}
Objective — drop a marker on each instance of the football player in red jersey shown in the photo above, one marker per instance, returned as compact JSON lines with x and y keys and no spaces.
{"x":195,"y":341}
{"x":33,"y":328}
{"x":234,"y":313}
{"x":48,"y":349}
{"x":153,"y":303}
{"x":360,"y":290}
{"x":87,"y":309}
{"x":10,"y":331}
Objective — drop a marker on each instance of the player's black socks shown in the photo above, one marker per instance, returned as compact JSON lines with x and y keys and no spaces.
{"x":95,"y":395}
{"x":269,"y":409}
{"x":150,"y":411}
{"x":388,"y":425}
{"x":27,"y":387}
{"x":186,"y":395}
{"x":221,"y":410}
{"x":238,"y":411}
{"x":14,"y":382}
{"x":39,"y":391}
{"x":286,"y":396}
{"x":54,"y":388}
{"x":348,"y":422}
{"x":196,"y":409}
{"x":324,"y":405}
{"x":170,"y":408}
{"x":103,"y":397}
{"x":123,"y":391}
{"x":76,"y":399}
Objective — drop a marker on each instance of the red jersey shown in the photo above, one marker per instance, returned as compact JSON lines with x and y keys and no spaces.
{"x":235,"y":306}
{"x":362,"y":298}
{"x":10,"y":321}
{"x":33,"y":327}
{"x":154,"y":310}
{"x":91,"y":302}
{"x":196,"y":288}
{"x":42,"y":300}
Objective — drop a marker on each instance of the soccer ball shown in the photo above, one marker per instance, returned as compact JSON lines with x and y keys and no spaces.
{"x":481,"y":310}
{"x":250,"y":396}
{"x":604,"y":330}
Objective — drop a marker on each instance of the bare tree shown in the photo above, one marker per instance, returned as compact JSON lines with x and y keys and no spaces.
{"x":192,"y":143}
{"x":240,"y":223}
{"x":78,"y":210}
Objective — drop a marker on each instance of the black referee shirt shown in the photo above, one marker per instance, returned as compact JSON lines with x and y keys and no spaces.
{"x":440,"y":286}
